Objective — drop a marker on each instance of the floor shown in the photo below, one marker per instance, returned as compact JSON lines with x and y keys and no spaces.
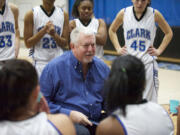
{"x":169,"y":83}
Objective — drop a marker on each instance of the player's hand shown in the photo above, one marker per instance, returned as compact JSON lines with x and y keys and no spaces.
{"x":51,"y":29}
{"x":153,"y":51}
{"x":43,"y":106}
{"x":78,"y":117}
{"x":47,"y":26}
{"x":122,"y":51}
{"x":175,"y":114}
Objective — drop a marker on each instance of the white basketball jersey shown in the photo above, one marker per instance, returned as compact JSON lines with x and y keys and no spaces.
{"x":37,"y":125}
{"x":47,"y":48}
{"x":145,"y":119}
{"x":139,"y":34}
{"x":93,"y":25}
{"x":7,"y":34}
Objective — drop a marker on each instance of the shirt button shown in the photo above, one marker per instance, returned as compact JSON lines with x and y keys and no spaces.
{"x":75,"y":67}
{"x":86,"y":93}
{"x":90,"y":104}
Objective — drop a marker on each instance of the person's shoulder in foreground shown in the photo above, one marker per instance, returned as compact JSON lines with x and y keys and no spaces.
{"x":19,"y":85}
{"x":124,"y":99}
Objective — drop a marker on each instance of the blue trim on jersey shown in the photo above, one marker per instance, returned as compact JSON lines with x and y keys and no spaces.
{"x":123,"y":126}
{"x":34,"y":63}
{"x":55,"y":127}
{"x":155,"y":73}
{"x":168,"y":116}
{"x":154,"y":18}
{"x":62,"y":10}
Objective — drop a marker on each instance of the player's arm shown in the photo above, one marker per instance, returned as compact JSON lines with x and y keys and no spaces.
{"x":72,"y":25}
{"x":62,"y":123}
{"x":113,"y":29}
{"x":109,"y":126}
{"x":166,"y":29}
{"x":62,"y":40}
{"x":178,"y":121}
{"x":15,"y":11}
{"x":30,"y":39}
{"x":101,"y":36}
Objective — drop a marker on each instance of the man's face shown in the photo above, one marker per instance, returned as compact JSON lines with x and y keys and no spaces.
{"x":85,"y":49}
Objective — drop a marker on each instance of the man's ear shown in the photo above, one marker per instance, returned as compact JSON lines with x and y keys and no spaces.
{"x":71,"y":46}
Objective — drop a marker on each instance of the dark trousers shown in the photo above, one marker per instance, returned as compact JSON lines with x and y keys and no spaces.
{"x":2,"y":62}
{"x":85,"y":130}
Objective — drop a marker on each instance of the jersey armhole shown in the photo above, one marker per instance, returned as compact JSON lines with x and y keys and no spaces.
{"x":123,"y":126}
{"x":61,"y":9}
{"x":156,"y":25}
{"x":59,"y":132}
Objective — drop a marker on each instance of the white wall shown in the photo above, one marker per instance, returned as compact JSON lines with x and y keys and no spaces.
{"x":26,"y":5}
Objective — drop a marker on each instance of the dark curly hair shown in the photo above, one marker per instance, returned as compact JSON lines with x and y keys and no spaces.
{"x":18,"y":78}
{"x":125,"y":84}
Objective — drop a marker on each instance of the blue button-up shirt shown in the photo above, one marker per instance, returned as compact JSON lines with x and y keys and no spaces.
{"x":65,"y":88}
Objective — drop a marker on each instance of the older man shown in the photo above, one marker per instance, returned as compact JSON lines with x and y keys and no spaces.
{"x":73,"y":83}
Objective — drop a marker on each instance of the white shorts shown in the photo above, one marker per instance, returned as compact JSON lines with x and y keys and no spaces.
{"x":152,"y":82}
{"x":39,"y":67}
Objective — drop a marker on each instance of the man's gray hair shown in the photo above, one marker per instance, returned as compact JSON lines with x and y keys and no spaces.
{"x":76,"y":32}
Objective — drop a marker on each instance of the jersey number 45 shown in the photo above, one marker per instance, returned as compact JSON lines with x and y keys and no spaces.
{"x":138,"y":45}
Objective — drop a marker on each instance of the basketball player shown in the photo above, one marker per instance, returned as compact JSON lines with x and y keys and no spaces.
{"x":9,"y":31}
{"x":19,"y":90}
{"x":178,"y":121}
{"x":83,"y":12}
{"x":131,"y":114}
{"x":139,"y":24}
{"x":45,"y":32}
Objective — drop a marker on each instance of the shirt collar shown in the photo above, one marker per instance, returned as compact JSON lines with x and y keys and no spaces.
{"x":76,"y":64}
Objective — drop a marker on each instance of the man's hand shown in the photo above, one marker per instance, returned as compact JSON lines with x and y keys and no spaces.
{"x":78,"y":117}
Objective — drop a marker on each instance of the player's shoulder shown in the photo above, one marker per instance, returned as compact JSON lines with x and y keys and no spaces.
{"x":100,"y":20}
{"x":72,"y":23}
{"x":58,"y":119}
{"x":62,"y":123}
{"x":109,"y":125}
{"x":14,"y":8}
{"x":157,"y":13}
{"x":28,"y":15}
{"x":122,"y":12}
